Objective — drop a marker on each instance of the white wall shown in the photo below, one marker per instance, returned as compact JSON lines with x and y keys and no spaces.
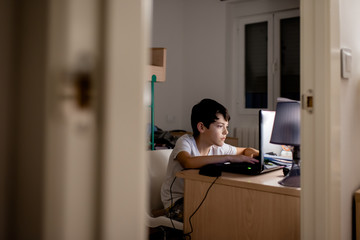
{"x":350,"y":113}
{"x":168,"y":32}
{"x":194,"y":34}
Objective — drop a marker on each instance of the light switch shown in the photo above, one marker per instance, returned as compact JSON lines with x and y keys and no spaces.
{"x":346,"y":63}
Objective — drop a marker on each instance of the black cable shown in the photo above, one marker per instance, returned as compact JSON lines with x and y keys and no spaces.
{"x":191,"y":227}
{"x":171,"y":203}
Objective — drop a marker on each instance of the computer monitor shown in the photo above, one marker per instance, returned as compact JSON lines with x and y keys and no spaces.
{"x":286,"y":131}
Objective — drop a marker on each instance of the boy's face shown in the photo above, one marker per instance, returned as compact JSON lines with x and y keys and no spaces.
{"x":217,"y":131}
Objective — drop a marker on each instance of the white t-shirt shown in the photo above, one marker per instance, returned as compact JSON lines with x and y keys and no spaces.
{"x":185,"y":143}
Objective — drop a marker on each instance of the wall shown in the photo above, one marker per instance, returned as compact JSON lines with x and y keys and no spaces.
{"x":350,"y":114}
{"x":194,"y":34}
{"x":168,"y":32}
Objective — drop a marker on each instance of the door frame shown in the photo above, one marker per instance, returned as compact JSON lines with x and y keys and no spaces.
{"x":115,"y":174}
{"x":320,"y":74}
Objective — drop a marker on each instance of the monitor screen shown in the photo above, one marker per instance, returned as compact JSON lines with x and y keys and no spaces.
{"x":286,"y":128}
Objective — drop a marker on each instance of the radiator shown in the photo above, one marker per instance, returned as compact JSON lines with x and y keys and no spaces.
{"x":248,"y":136}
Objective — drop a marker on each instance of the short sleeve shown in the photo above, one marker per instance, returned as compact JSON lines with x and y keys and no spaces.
{"x":185,"y":143}
{"x":225,"y":149}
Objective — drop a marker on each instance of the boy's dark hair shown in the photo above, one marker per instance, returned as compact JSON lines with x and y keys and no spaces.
{"x":205,"y":111}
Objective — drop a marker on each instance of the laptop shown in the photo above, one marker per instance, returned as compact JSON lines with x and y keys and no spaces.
{"x":266,"y":122}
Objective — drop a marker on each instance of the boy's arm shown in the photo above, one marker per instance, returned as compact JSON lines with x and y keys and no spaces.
{"x":250,"y":152}
{"x":187,"y":161}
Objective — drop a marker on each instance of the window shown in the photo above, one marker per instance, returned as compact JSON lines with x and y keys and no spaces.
{"x":268,"y":60}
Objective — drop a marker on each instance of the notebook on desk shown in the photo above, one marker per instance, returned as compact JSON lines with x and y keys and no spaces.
{"x":266,"y":122}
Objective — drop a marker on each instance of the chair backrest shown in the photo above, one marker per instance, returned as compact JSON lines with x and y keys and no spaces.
{"x":156,"y":165}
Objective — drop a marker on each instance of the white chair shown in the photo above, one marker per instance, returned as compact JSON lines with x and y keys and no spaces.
{"x":156,"y":165}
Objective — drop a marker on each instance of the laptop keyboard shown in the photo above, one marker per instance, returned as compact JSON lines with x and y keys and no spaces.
{"x":242,"y":167}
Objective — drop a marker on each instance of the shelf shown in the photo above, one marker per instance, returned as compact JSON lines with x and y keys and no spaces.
{"x":157,"y":65}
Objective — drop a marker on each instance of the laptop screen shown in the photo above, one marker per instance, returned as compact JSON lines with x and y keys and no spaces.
{"x":266,"y":122}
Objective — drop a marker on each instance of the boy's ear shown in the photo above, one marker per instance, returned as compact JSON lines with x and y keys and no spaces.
{"x":201,"y":127}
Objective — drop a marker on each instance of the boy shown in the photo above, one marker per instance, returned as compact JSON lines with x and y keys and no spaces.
{"x":209,"y":122}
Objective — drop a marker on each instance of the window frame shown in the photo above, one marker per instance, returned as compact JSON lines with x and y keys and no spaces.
{"x":278,"y":16}
{"x":240,"y":65}
{"x":273,"y":86}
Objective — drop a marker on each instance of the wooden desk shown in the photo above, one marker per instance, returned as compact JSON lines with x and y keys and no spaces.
{"x":241,"y":207}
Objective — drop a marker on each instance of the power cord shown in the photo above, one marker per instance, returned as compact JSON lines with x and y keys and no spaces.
{"x":171,"y":204}
{"x":187,"y":235}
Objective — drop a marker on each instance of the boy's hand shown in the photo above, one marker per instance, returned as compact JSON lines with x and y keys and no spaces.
{"x":243,"y":158}
{"x":251,"y":152}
